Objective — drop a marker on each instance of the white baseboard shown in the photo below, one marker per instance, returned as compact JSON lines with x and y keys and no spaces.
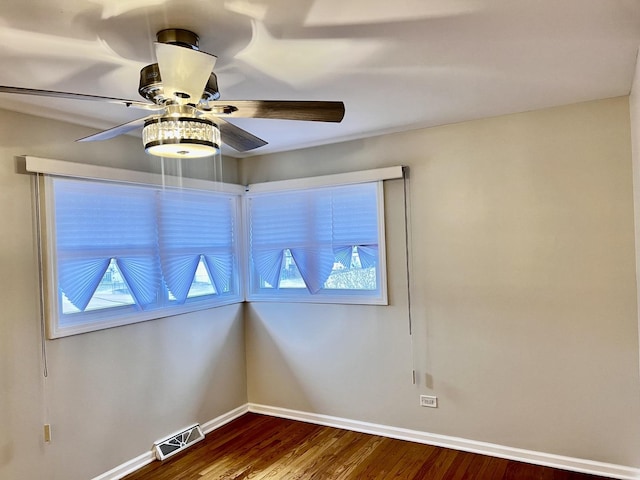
{"x":528,"y":456}
{"x":483,"y":448}
{"x":128,"y":467}
{"x":223,"y":419}
{"x":146,"y":458}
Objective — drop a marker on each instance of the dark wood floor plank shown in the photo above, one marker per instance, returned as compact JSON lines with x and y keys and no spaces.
{"x":333,"y":455}
{"x":250,"y":454}
{"x":354,"y":449}
{"x":414,"y":455}
{"x":354,"y":462}
{"x":375,"y":461}
{"x":223,"y":454}
{"x":260,"y":447}
{"x":494,"y":468}
{"x":459,"y":467}
{"x":435,"y":465}
{"x":394,"y":458}
{"x":476,"y":466}
{"x":313,"y":457}
{"x":266,"y":468}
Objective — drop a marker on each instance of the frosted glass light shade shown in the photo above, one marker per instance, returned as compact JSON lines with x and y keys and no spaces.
{"x":181,"y":137}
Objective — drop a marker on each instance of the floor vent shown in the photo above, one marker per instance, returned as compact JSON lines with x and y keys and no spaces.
{"x":177,"y":442}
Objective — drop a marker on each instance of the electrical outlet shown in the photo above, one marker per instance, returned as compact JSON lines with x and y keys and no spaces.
{"x":428,"y":401}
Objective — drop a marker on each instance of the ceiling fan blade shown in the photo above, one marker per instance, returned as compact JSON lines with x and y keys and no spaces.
{"x":237,"y":138}
{"x":184,"y":71}
{"x":315,"y":111}
{"x":78,"y":96}
{"x":115,"y":131}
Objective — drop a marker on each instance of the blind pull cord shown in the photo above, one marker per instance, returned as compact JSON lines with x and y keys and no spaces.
{"x":38,"y":228}
{"x":407,"y":250}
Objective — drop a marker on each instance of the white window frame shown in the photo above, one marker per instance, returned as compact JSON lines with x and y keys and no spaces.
{"x":98,"y":321}
{"x":108,"y":318}
{"x":379,"y":297}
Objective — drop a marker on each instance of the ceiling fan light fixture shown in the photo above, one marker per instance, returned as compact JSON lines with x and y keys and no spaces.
{"x":181,"y":137}
{"x":182,"y":97}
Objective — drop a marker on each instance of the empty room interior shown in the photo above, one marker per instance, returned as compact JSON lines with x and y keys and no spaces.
{"x":501,"y":142}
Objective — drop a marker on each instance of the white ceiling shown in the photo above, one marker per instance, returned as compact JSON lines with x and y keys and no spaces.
{"x":396,"y":65}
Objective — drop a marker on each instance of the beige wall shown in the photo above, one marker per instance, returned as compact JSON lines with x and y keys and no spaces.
{"x":109,"y":394}
{"x":524,"y":293}
{"x":524,"y":305}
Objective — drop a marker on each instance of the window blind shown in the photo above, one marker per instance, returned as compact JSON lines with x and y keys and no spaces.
{"x":149,"y":238}
{"x":320,"y":227}
{"x":96,"y":222}
{"x":195,"y":226}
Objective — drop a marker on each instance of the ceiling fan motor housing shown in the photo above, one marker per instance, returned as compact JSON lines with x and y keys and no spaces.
{"x":178,"y":36}
{"x":150,"y":86}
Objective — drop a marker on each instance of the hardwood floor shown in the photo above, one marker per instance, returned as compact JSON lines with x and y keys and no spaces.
{"x":261,"y":447}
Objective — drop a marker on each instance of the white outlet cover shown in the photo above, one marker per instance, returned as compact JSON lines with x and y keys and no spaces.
{"x":428,"y":401}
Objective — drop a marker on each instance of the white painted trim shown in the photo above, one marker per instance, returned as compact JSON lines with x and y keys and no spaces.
{"x":364,"y":176}
{"x":253,"y":290}
{"x":84,"y":170}
{"x":146,"y":458}
{"x":483,"y":448}
{"x":128,"y":467}
{"x":223,"y":419}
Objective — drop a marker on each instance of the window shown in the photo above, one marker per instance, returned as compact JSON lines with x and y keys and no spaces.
{"x":317,"y":245}
{"x":136,"y":246}
{"x":120,"y":253}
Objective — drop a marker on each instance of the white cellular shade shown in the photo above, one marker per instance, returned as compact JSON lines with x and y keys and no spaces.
{"x":120,"y":252}
{"x":355,"y":215}
{"x":368,"y":255}
{"x":318,"y":226}
{"x":153,"y":237}
{"x":193,"y":226}
{"x":298,"y":221}
{"x":96,"y":222}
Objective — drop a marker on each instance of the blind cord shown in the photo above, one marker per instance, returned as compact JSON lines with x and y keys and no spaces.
{"x":407,"y":250}
{"x":38,"y":228}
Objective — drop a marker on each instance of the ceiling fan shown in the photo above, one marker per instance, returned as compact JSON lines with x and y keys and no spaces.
{"x":188,"y":117}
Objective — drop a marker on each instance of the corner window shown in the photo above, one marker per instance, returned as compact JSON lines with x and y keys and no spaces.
{"x":317,"y":245}
{"x":120,"y":253}
{"x":135,"y":246}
